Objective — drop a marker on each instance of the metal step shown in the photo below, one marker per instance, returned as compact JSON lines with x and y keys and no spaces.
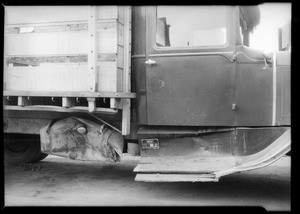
{"x":208,"y":169}
{"x":184,"y":164}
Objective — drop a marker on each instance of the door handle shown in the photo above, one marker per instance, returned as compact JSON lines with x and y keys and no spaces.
{"x":150,"y":62}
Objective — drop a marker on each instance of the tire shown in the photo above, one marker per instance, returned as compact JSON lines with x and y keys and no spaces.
{"x":20,"y":149}
{"x":42,"y":156}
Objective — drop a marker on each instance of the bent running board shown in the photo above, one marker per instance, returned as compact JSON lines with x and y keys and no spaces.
{"x":154,"y":167}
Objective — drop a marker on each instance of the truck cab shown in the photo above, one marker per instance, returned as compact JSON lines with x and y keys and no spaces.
{"x":201,"y":61}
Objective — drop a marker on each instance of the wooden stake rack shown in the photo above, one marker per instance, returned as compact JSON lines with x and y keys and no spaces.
{"x":78,"y":60}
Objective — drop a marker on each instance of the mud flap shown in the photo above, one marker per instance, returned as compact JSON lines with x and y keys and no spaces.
{"x":81,"y":139}
{"x":207,"y":158}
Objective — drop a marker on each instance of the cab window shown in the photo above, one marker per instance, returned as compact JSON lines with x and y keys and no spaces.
{"x":191,"y":26}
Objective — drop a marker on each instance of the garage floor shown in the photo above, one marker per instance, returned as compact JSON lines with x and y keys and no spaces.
{"x":64,"y":182}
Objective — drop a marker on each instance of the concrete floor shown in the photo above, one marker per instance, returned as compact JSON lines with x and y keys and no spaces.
{"x":64,"y":182}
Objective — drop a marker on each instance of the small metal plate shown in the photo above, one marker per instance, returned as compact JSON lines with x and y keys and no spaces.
{"x":150,"y":143}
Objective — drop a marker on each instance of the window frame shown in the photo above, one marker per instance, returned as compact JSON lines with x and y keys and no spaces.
{"x":227,"y":43}
{"x":151,"y":13}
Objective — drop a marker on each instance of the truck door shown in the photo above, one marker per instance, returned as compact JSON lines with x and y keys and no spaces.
{"x":189,"y":65}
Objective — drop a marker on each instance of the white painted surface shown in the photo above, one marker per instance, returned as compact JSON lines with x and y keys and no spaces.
{"x":45,"y":14}
{"x":60,"y":43}
{"x":64,"y":77}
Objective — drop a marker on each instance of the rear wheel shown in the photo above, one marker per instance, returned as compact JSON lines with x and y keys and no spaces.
{"x":21,"y":148}
{"x":42,"y":156}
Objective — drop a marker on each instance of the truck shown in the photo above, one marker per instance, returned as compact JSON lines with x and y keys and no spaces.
{"x":177,"y":86}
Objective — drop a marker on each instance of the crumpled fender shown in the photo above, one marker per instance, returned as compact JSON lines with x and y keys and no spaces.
{"x":81,"y":139}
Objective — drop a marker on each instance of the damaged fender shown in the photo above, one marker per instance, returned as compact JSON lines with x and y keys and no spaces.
{"x":81,"y":139}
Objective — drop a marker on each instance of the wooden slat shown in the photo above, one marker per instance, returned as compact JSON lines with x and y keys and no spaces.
{"x":120,"y":80}
{"x":21,"y":62}
{"x":92,"y":49}
{"x":46,"y":28}
{"x":121,"y":57}
{"x":61,"y":43}
{"x":42,"y":14}
{"x":102,"y":25}
{"x":107,"y":37}
{"x":126,"y":117}
{"x":62,"y":77}
{"x":46,"y":43}
{"x":121,"y":14}
{"x":70,"y":94}
{"x":126,"y":70}
{"x":45,"y":14}
{"x":68,"y":102}
{"x":107,"y":78}
{"x":127,"y":51}
{"x":60,"y":109}
{"x":23,"y":101}
{"x":120,"y":32}
{"x":70,"y":77}
{"x":107,"y":12}
{"x":59,"y":60}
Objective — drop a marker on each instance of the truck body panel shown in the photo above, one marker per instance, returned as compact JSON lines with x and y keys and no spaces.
{"x":179,"y":81}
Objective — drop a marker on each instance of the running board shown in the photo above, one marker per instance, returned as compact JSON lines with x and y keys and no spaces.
{"x":176,"y":178}
{"x":192,"y":168}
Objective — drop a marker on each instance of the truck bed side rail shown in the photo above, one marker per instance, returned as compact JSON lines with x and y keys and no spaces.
{"x":68,"y":59}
